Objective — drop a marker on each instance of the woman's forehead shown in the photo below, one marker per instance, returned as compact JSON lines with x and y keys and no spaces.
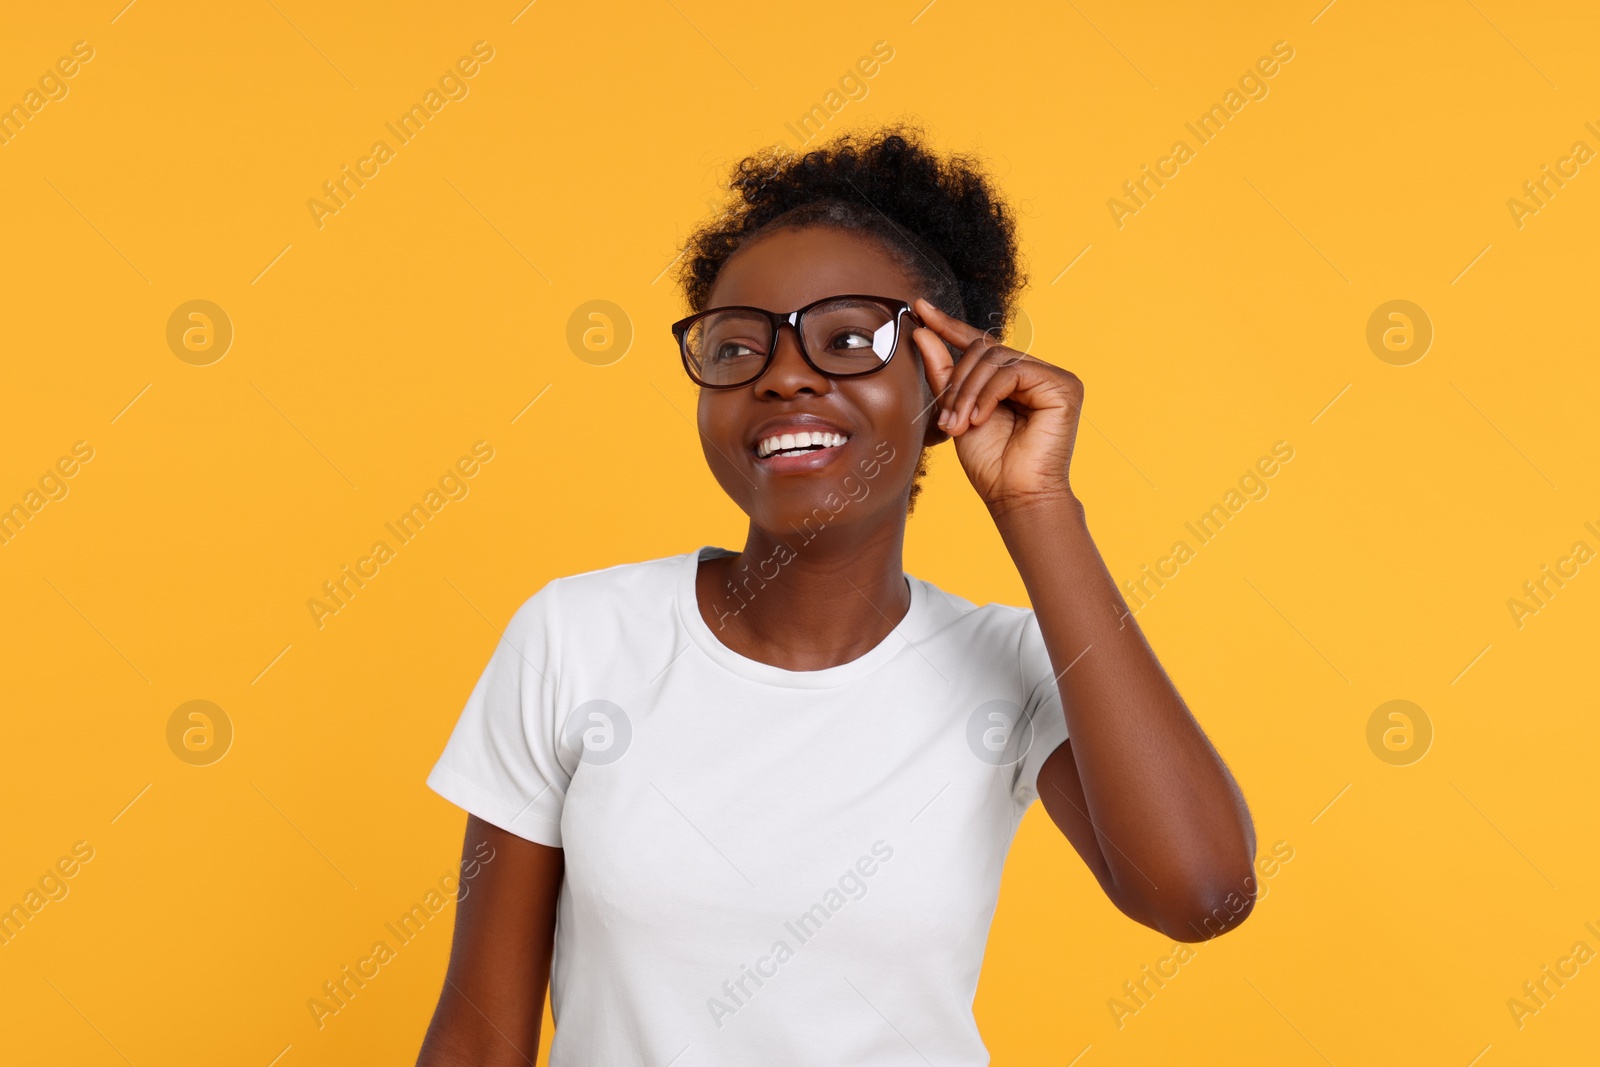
{"x":790,"y":267}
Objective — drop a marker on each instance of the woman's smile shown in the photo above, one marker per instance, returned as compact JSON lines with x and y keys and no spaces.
{"x":800,"y":442}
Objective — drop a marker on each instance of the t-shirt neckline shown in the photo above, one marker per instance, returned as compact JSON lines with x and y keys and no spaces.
{"x":892,"y":644}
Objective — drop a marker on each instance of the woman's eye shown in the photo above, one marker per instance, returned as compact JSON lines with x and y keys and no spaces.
{"x":852,"y":339}
{"x":733,"y":350}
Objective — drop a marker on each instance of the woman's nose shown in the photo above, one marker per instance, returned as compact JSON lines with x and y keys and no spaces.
{"x":789,"y":372}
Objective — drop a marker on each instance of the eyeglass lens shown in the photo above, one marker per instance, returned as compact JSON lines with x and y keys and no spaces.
{"x":845,"y":336}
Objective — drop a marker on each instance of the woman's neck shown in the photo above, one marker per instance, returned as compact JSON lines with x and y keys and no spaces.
{"x":806,"y":605}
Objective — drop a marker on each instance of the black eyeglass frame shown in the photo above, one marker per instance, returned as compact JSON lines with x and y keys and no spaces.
{"x":794,"y":319}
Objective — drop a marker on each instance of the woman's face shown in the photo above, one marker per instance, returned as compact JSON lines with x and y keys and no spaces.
{"x":885,"y":416}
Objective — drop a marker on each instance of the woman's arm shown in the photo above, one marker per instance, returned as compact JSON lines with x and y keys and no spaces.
{"x":493,"y":998}
{"x":1138,"y":789}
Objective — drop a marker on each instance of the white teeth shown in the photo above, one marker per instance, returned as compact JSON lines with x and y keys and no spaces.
{"x":805,"y":439}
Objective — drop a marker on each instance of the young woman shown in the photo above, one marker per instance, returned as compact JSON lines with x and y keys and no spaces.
{"x":752,"y":807}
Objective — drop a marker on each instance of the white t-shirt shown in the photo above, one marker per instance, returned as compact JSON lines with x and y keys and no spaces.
{"x":762,"y":865}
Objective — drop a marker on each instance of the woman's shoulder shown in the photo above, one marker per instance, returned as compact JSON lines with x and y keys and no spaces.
{"x":625,"y":575}
{"x":989,"y":633}
{"x":594,"y":613}
{"x":946,"y":611}
{"x":633,"y":584}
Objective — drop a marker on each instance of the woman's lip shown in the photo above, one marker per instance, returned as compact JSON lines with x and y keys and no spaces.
{"x":795,"y":426}
{"x":815,"y":459}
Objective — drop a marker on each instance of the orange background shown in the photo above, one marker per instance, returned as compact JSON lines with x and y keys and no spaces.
{"x":1228,"y":313}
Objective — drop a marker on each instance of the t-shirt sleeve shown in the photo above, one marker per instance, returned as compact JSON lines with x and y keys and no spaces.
{"x":503,"y":762}
{"x":1041,"y":710}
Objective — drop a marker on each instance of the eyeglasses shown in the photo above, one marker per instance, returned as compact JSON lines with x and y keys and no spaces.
{"x":845,"y":336}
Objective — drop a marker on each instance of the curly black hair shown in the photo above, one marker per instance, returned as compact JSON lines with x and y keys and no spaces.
{"x":939,"y":216}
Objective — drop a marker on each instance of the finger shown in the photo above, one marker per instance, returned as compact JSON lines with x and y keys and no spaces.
{"x":992,"y":362}
{"x":969,"y":362}
{"x":936,"y":358}
{"x":952,"y":329}
{"x":986,"y":353}
{"x":1033,"y":386}
{"x":938,"y":365}
{"x":1000,"y":386}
